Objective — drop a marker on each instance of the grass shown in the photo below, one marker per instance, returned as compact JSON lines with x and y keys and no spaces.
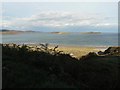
{"x":23,"y":67}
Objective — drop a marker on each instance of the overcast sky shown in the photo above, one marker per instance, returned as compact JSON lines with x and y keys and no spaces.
{"x":60,"y":15}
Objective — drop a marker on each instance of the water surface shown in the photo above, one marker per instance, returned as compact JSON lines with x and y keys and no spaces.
{"x":78,"y":39}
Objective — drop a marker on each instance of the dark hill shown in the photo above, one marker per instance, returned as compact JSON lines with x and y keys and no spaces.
{"x":24,"y":68}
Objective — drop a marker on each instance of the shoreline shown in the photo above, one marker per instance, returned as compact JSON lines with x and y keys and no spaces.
{"x":75,"y":51}
{"x":64,"y":45}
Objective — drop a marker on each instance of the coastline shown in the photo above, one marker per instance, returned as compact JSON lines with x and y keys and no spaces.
{"x":79,"y":51}
{"x":75,"y":51}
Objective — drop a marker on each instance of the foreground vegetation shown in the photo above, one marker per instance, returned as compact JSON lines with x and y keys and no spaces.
{"x":23,"y":67}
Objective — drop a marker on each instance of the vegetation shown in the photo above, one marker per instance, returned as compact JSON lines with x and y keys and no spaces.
{"x":24,"y":67}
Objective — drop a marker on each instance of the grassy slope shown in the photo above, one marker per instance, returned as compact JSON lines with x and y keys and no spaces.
{"x":37,"y":69}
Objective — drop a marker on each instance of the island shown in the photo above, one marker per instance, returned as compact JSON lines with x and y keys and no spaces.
{"x":60,"y":32}
{"x":12,"y":32}
{"x":90,"y":32}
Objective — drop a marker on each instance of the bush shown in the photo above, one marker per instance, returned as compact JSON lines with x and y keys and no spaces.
{"x":24,"y":67}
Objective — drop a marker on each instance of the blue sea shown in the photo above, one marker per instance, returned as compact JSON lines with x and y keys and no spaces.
{"x":76,"y":39}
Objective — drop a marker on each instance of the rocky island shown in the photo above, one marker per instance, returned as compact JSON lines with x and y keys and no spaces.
{"x":90,"y":32}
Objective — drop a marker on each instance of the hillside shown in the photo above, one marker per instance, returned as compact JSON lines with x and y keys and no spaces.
{"x":44,"y":68}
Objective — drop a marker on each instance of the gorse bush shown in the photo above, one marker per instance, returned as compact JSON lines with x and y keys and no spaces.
{"x":42,"y":67}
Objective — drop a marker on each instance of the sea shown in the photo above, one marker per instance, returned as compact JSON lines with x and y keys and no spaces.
{"x":73,"y":39}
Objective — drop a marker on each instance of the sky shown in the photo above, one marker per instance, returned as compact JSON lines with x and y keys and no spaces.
{"x":60,"y":16}
{"x":60,"y":0}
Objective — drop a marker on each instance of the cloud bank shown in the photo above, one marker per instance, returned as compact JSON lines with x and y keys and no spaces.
{"x":54,"y":19}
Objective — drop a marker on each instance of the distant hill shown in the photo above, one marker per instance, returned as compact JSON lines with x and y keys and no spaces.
{"x":5,"y":31}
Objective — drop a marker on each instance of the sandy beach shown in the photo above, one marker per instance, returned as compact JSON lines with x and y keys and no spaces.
{"x":78,"y":51}
{"x":75,"y":51}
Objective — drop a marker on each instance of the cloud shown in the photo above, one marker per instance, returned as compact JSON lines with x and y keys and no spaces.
{"x":56,"y":19}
